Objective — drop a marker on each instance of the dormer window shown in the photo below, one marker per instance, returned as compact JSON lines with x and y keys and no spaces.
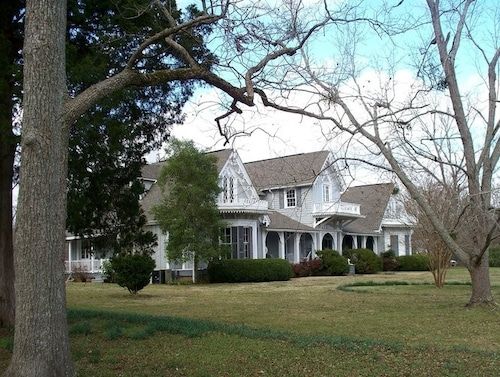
{"x":290,"y":198}
{"x":231,"y":189}
{"x":326,"y":193}
{"x":224,"y":190}
{"x":228,"y":190}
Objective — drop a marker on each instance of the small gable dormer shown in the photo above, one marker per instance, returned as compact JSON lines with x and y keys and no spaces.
{"x":237,"y":190}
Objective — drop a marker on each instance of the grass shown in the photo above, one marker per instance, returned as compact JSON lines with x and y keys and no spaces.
{"x":387,"y":324}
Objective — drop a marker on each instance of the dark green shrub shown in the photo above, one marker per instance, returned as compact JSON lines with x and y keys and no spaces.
{"x":389,"y":261}
{"x":249,"y":270}
{"x":333,"y":263}
{"x":365,"y":260}
{"x":132,"y":271}
{"x":494,"y":256}
{"x":416,"y":262}
{"x":313,"y":267}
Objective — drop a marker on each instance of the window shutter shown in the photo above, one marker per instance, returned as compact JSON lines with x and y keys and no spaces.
{"x":298,"y":195}
{"x":234,"y":242}
{"x":281,"y":196}
{"x":250,"y":246}
{"x":241,"y":250}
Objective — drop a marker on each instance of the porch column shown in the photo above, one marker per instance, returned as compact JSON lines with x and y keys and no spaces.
{"x":296,"y":248}
{"x":363,"y":242}
{"x":376,"y":240}
{"x":339,"y":245}
{"x":281,"y":245}
{"x":315,"y":244}
{"x":254,"y":242}
{"x":264,"y":249}
{"x":355,"y":242}
{"x":69,"y":256}
{"x":92,"y":262}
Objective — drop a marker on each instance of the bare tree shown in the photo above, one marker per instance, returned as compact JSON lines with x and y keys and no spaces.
{"x":393,"y":124}
{"x":449,"y":206}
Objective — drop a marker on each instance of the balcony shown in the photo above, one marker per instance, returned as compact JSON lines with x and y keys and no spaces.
{"x":244,"y":206}
{"x":337,"y":208}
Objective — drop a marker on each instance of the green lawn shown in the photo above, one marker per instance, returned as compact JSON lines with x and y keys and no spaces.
{"x":305,"y":327}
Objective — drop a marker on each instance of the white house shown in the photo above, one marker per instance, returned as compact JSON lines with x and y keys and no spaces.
{"x":286,"y":207}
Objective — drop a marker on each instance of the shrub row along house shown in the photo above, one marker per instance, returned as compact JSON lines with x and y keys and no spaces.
{"x":286,"y":207}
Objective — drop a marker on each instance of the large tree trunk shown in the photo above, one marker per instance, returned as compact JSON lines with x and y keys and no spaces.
{"x":41,"y":342}
{"x":480,"y":279}
{"x":7,"y":302}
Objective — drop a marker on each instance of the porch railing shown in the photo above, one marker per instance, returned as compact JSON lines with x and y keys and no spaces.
{"x":332,"y":208}
{"x":85,"y":265}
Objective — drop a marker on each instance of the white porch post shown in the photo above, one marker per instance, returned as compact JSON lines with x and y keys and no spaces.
{"x":315,"y":244}
{"x":264,"y":236}
{"x":254,"y":242}
{"x":92,"y":262}
{"x":296,"y":248}
{"x":69,"y":256}
{"x":363,"y":242}
{"x":339,"y":245}
{"x":355,"y":242}
{"x":282,"y":245}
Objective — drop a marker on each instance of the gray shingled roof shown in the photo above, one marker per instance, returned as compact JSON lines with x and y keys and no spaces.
{"x":282,"y":222}
{"x":152,"y":171}
{"x":373,"y":200}
{"x":298,"y":169}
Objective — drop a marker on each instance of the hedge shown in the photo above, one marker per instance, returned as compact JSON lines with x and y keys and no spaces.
{"x":333,"y":262}
{"x":249,"y":270}
{"x":365,"y":260}
{"x":416,"y":262}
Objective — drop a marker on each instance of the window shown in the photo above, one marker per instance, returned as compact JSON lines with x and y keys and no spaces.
{"x":238,"y":241}
{"x":224,"y":189}
{"x":231,"y":189}
{"x":291,"y":198}
{"x":228,"y":193}
{"x":395,"y":244}
{"x":245,"y":252}
{"x":326,"y":193}
{"x":407,"y":244}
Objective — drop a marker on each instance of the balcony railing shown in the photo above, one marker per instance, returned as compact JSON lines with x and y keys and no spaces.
{"x":244,"y":205}
{"x":85,"y":265}
{"x":336,"y":208}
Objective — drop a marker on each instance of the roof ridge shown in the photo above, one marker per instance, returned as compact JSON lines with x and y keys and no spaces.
{"x":281,"y":157}
{"x":372,"y":184}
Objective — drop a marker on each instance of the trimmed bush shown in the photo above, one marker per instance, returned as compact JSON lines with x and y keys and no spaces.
{"x":365,"y":260}
{"x":389,"y":261}
{"x":333,"y":263}
{"x":132,"y":271}
{"x":494,"y":253}
{"x":416,"y":262}
{"x":249,"y":270}
{"x":312,"y":267}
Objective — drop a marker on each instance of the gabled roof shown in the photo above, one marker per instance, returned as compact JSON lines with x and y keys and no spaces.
{"x":279,"y":221}
{"x":294,"y":170}
{"x":373,"y":200}
{"x":152,"y":171}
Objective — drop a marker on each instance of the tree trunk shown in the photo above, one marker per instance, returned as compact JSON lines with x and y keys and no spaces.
{"x":7,"y":302}
{"x":41,"y":342}
{"x":480,"y":279}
